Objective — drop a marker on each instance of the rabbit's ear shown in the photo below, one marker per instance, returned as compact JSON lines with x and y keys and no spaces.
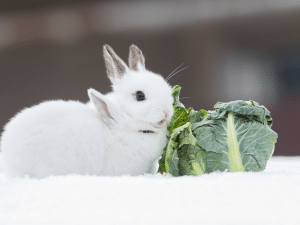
{"x":103,"y":106}
{"x":136,"y":58}
{"x":114,"y":65}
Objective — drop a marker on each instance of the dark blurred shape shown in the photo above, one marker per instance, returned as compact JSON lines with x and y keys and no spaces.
{"x":287,"y":61}
{"x":291,"y":79}
{"x":234,"y":49}
{"x":286,"y":123}
{"x":21,"y":5}
{"x":286,"y":108}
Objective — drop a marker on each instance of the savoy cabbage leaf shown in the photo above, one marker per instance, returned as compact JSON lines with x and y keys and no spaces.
{"x":237,"y":136}
{"x":181,"y":115}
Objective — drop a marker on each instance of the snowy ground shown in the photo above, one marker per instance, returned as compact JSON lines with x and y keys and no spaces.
{"x":270,"y":197}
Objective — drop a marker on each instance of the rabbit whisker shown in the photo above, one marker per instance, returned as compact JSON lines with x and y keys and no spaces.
{"x":184,"y":97}
{"x":174,"y":71}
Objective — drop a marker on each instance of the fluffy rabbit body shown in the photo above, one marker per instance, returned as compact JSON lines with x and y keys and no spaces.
{"x":122,"y":132}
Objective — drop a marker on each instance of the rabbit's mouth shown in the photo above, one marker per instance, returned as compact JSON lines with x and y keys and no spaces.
{"x":157,"y":127}
{"x":151,"y":131}
{"x":146,"y":131}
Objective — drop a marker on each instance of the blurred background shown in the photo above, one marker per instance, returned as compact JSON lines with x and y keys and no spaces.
{"x":235,"y":49}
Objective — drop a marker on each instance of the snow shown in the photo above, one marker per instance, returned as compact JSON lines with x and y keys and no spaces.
{"x":269,"y":197}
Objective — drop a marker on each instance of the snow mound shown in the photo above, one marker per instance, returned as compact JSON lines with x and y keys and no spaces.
{"x":269,"y":197}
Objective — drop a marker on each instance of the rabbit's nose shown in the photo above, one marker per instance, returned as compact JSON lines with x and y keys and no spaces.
{"x":166,"y":115}
{"x":163,"y":120}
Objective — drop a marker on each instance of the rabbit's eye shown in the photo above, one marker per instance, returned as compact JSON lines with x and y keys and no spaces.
{"x":140,"y":96}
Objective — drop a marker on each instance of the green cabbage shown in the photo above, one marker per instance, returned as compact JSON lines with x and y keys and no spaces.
{"x":236,"y":136}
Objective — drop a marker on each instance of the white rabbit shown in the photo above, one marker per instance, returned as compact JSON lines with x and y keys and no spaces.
{"x":122,"y":132}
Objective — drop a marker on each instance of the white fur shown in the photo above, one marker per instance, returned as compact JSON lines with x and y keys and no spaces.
{"x":63,"y":137}
{"x":1,"y":163}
